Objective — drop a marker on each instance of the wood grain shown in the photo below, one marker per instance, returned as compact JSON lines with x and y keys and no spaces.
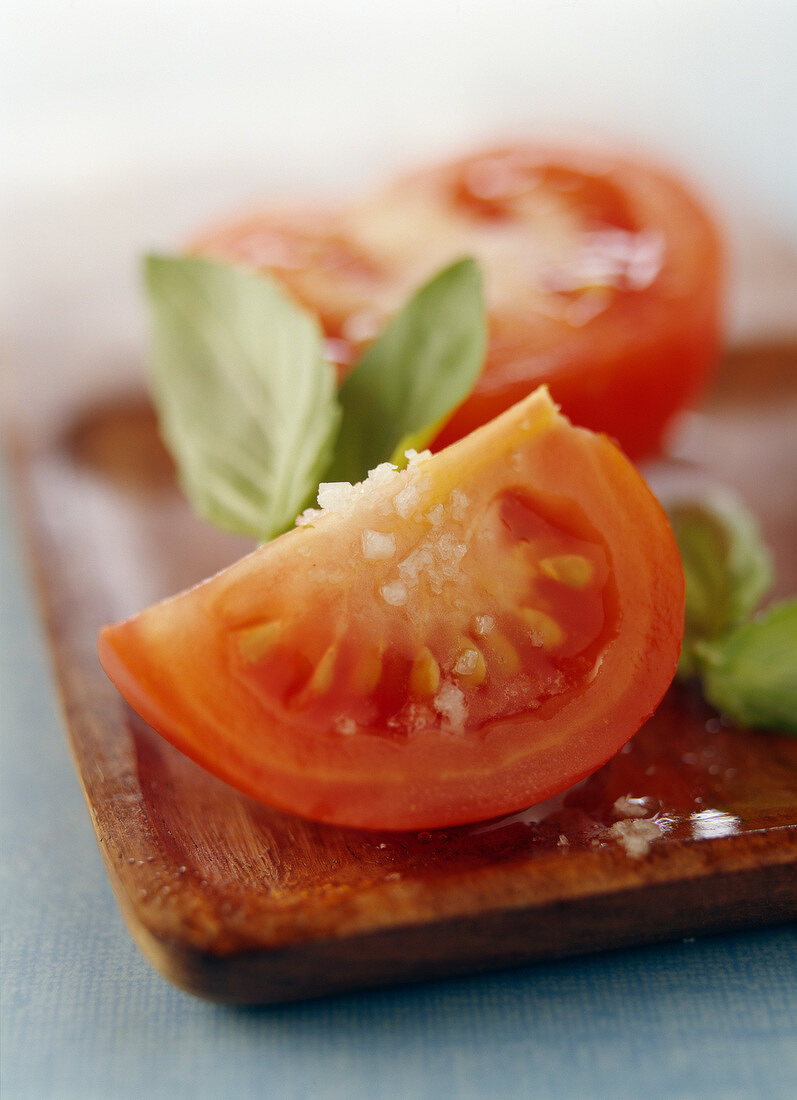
{"x":238,"y":902}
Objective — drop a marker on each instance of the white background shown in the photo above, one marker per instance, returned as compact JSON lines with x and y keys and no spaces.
{"x":128,"y":123}
{"x":98,"y":90}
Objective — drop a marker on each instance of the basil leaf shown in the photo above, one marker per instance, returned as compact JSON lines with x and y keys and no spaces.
{"x":751,"y":673}
{"x":727,"y":567}
{"x":246,"y":401}
{"x":416,"y":441}
{"x":415,"y":374}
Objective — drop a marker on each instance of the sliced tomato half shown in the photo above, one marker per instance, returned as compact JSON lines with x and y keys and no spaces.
{"x":602,"y":278}
{"x":443,"y":644}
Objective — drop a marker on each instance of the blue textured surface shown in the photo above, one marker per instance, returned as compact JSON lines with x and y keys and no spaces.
{"x":83,"y":1015}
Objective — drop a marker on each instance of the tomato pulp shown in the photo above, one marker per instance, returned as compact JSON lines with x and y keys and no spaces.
{"x":438,"y":645}
{"x":602,"y":279}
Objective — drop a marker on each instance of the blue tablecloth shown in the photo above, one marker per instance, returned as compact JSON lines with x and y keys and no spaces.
{"x":84,"y":1015}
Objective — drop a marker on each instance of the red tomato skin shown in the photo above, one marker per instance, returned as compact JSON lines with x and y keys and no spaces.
{"x":630,"y":369}
{"x":627,"y":371}
{"x":172,"y":661}
{"x":632,"y":399}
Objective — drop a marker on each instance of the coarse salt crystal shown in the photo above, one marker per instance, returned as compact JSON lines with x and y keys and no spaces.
{"x":377,"y":546}
{"x":308,"y":516}
{"x":406,"y":500}
{"x":346,"y":726}
{"x":636,"y":835}
{"x":436,"y":515}
{"x":466,"y":662}
{"x":334,"y":496}
{"x":412,"y":718}
{"x":449,"y":549}
{"x":483,"y":624}
{"x":459,"y":504}
{"x":449,"y":702}
{"x":413,"y":457}
{"x":628,"y":806}
{"x":394,"y":593}
{"x":419,"y":561}
{"x":381,"y":474}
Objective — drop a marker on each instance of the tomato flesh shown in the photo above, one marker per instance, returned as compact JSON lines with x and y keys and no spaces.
{"x":486,"y":651}
{"x":443,"y":644}
{"x":602,"y":279}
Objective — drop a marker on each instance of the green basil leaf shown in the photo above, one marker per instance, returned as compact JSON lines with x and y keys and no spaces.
{"x":415,"y":374}
{"x":727,"y":567}
{"x":416,"y":441}
{"x":751,"y":673}
{"x":246,"y":401}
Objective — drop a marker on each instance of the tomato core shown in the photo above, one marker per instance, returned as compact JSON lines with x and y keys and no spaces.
{"x":493,"y":646}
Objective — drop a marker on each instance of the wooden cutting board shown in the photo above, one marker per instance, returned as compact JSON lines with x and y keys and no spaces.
{"x":237,"y":902}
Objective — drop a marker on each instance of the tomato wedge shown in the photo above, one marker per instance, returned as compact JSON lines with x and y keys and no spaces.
{"x":438,"y":645}
{"x":602,"y":277}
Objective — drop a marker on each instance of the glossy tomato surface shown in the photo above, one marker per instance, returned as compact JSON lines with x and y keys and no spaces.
{"x":602,"y":277}
{"x":441,"y":644}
